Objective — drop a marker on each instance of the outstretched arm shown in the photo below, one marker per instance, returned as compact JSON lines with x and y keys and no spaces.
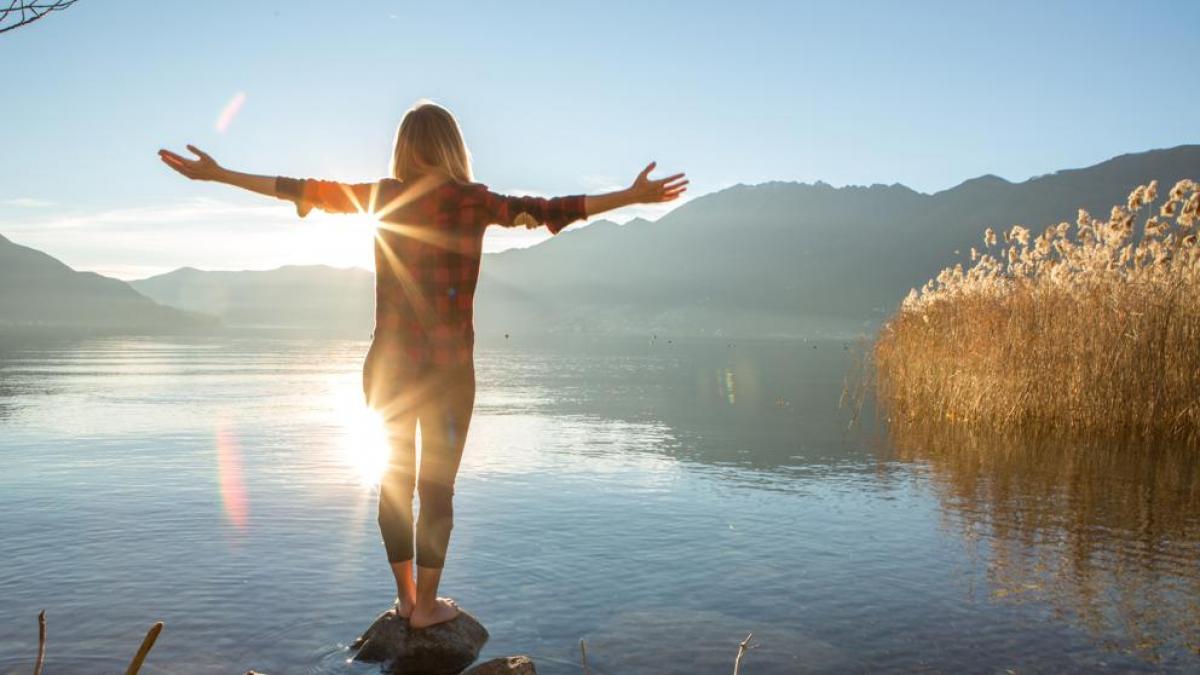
{"x":558,"y":212}
{"x":325,"y":195}
{"x":643,"y":191}
{"x":206,"y":168}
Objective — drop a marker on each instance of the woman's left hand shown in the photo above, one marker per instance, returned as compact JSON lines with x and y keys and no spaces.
{"x":647,"y":191}
{"x":205,"y":168}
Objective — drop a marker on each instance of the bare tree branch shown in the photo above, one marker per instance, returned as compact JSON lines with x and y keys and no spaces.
{"x":30,"y":11}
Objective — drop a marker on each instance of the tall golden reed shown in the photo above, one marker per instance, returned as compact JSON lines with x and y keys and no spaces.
{"x":1091,"y":329}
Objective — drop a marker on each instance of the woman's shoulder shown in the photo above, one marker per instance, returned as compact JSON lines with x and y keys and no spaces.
{"x":440,"y":185}
{"x":469,"y":194}
{"x":472,"y":188}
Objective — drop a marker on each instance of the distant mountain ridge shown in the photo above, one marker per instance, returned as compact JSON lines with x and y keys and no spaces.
{"x":774,"y":259}
{"x":314,"y":297}
{"x":788,"y":258}
{"x":38,"y":291}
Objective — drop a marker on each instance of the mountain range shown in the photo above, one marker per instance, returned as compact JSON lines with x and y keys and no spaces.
{"x":38,"y":291}
{"x":775,"y":259}
{"x":310,"y":297}
{"x":787,"y":258}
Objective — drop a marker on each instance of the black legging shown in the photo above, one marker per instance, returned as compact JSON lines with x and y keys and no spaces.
{"x":440,"y":400}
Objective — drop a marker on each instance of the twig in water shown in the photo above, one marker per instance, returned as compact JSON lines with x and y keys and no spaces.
{"x":583,"y":656}
{"x":147,"y":643}
{"x":41,"y":657}
{"x":742,"y":647}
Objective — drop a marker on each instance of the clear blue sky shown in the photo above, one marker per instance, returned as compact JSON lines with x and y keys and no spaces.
{"x":553,"y":98}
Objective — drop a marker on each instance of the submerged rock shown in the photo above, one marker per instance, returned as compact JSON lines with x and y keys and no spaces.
{"x":442,"y":649}
{"x":505,"y":665}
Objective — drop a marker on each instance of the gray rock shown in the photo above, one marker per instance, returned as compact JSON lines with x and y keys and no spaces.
{"x":505,"y":665}
{"x":442,"y":649}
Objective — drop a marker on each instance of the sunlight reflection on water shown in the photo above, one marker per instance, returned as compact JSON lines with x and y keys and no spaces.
{"x":364,"y":441}
{"x":619,"y":493}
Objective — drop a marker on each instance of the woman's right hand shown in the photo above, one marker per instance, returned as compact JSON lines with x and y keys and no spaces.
{"x":205,"y":168}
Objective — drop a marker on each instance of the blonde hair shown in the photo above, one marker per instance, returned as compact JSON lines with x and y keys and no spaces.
{"x":428,"y":139}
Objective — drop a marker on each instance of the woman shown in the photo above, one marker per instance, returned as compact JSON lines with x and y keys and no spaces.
{"x":419,"y":369}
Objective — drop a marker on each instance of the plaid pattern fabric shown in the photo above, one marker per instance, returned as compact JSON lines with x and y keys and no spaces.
{"x":427,"y":252}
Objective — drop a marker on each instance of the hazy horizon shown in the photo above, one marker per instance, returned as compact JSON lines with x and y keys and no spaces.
{"x":510,"y":243}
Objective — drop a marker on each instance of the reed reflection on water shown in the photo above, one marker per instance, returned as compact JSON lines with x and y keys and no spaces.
{"x":1106,"y":534}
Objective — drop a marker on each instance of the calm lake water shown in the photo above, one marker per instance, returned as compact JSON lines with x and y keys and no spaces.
{"x":660,"y":500}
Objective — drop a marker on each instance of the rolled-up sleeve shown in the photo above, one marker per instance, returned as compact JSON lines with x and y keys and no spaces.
{"x":292,"y":189}
{"x":531,"y":212}
{"x":326,"y":195}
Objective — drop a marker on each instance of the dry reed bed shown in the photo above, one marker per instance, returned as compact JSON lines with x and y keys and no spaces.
{"x":1086,"y":329}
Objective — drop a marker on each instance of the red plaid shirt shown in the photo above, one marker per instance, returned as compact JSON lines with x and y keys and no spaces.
{"x":427,"y":251}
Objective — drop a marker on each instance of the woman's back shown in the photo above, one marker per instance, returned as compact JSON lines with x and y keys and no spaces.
{"x":428,"y":246}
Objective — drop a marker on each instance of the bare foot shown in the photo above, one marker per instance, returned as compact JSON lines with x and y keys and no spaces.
{"x":403,"y":607}
{"x":443,"y":610}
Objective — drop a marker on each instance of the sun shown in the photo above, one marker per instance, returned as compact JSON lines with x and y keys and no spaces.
{"x":335,"y":240}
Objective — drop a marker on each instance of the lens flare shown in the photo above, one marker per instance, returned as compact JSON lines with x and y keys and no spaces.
{"x":229,"y":478}
{"x":230,"y":111}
